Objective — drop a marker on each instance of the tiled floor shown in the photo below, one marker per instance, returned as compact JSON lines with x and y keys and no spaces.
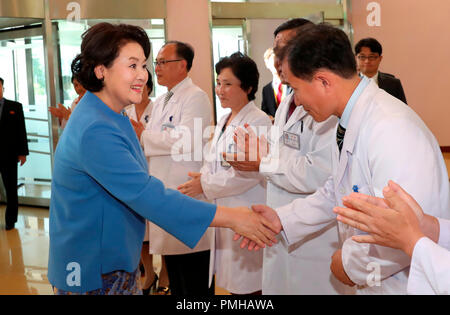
{"x":24,"y":254}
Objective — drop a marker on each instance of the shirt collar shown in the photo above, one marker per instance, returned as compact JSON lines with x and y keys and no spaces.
{"x":178,"y":86}
{"x":352,"y":101}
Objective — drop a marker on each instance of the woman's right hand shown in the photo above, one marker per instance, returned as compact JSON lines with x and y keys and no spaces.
{"x":249,"y":224}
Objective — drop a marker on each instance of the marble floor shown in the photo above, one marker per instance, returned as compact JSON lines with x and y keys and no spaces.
{"x":24,"y":254}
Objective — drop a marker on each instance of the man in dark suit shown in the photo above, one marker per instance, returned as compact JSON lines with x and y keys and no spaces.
{"x":14,"y":149}
{"x":368,"y":53}
{"x":273,"y":92}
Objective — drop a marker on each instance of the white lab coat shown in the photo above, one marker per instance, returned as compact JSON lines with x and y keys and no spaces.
{"x":384,"y":140}
{"x":145,"y":120}
{"x":237,"y":270}
{"x":145,"y":117}
{"x":304,"y":267}
{"x":173,"y":152}
{"x":430,"y":264}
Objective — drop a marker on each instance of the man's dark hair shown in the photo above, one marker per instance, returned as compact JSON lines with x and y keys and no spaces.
{"x":370,"y":43}
{"x":291,"y":24}
{"x":149,"y":83}
{"x":101,"y":45}
{"x":243,"y":68}
{"x":1,"y":80}
{"x":318,"y":47}
{"x":184,"y":51}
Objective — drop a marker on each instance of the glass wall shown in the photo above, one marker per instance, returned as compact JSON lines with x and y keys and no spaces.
{"x":68,"y":46}
{"x":23,"y":69}
{"x":226,"y":41}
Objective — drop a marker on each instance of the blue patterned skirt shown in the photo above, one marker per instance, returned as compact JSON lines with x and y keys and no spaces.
{"x":114,"y":283}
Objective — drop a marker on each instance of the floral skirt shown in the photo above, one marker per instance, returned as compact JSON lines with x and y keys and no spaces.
{"x":114,"y":283}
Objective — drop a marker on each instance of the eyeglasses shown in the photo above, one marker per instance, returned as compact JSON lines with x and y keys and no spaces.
{"x":163,"y":62}
{"x":370,"y":58}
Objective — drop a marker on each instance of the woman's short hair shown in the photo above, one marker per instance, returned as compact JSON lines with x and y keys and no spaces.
{"x":101,"y":45}
{"x":149,"y":82}
{"x":243,"y":68}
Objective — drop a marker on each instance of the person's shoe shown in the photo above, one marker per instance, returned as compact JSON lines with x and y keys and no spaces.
{"x":151,"y":288}
{"x":162,"y":291}
{"x":9,"y":226}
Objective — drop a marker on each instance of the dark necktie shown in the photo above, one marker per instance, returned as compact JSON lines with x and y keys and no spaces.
{"x":340,"y":136}
{"x":292,"y":108}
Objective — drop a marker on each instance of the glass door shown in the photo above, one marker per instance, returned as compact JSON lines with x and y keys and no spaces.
{"x":23,"y":70}
{"x":227,"y":39}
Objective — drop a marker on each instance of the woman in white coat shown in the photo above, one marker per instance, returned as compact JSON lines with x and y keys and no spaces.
{"x":141,"y":112}
{"x":404,"y":225}
{"x":238,"y":271}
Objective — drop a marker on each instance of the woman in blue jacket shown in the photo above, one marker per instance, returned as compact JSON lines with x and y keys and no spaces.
{"x":101,"y":190}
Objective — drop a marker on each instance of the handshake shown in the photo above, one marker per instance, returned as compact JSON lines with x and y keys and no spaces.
{"x":257,"y":227}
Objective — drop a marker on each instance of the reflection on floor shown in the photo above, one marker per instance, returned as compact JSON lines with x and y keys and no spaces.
{"x":34,"y":190}
{"x":24,"y":254}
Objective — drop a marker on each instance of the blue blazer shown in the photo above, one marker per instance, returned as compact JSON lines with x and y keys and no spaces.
{"x":101,"y":193}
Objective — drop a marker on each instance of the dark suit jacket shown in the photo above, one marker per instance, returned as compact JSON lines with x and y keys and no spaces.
{"x":269,"y":104}
{"x":392,"y":85}
{"x":13,"y":134}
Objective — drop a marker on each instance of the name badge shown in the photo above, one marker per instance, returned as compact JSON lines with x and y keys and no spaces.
{"x":167,"y":126}
{"x":224,"y":163}
{"x":231,"y":149}
{"x":291,"y":140}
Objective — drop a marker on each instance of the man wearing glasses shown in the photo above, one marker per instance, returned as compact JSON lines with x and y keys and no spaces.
{"x":368,"y":58}
{"x":173,"y":118}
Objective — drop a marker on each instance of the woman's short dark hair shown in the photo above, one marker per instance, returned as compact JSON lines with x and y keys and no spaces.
{"x":149,"y":83}
{"x":101,"y":45}
{"x":370,"y":43}
{"x":243,"y":68}
{"x":318,"y":47}
{"x":184,"y":51}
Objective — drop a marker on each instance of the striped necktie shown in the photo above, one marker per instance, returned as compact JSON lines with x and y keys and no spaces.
{"x":167,"y":98}
{"x":340,"y":137}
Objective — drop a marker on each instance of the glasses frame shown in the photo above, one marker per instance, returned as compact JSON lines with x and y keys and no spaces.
{"x":370,"y":58}
{"x":163,"y":62}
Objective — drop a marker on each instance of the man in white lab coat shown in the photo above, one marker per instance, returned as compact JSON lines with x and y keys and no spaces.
{"x":296,"y":169}
{"x":397,"y":221}
{"x":377,"y":139}
{"x":172,"y":121}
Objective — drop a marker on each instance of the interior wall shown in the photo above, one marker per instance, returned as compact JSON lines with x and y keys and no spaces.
{"x":189,"y":21}
{"x":416,"y":48}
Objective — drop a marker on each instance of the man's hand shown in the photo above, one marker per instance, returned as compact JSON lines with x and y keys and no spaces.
{"x":22,"y":159}
{"x":271,"y":216}
{"x":192,"y":187}
{"x":251,"y":150}
{"x":398,"y":223}
{"x":337,"y":268}
{"x":138,"y":128}
{"x":247,"y":223}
